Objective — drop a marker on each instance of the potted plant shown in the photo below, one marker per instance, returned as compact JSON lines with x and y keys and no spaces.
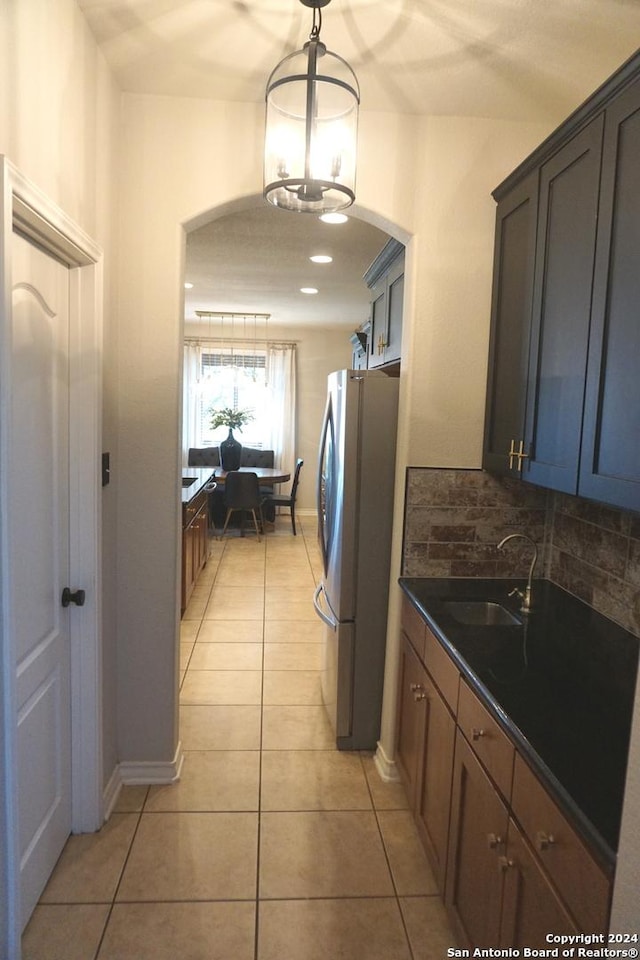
{"x":230,"y":449}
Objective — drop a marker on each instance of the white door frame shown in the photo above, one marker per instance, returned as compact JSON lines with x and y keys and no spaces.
{"x":23,"y":206}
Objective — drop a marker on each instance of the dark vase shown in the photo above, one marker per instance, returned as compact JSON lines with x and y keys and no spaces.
{"x":230,"y":452}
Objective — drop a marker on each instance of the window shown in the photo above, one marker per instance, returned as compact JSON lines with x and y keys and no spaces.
{"x":237,"y":380}
{"x":242,"y":376}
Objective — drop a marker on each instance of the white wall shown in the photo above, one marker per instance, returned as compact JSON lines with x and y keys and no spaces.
{"x":58,"y":125}
{"x":182,"y":158}
{"x":319,"y":350}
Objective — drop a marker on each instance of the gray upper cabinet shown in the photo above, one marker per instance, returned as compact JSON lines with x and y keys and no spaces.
{"x":565,"y":251}
{"x":563,"y":401}
{"x":511,"y":325}
{"x":385,"y":279}
{"x":610,"y":465}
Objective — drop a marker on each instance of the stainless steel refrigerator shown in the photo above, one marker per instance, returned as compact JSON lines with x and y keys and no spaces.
{"x":356,"y":474}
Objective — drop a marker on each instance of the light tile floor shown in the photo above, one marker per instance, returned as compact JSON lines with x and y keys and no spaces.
{"x":273,"y":845}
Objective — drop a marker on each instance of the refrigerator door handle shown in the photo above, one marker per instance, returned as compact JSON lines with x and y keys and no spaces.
{"x":330,"y":622}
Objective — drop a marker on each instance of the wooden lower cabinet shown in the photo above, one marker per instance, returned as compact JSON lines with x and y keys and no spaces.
{"x":434,"y":788}
{"x":531,"y":908}
{"x":410,"y":723}
{"x":424,"y":754}
{"x":585,"y":886}
{"x":509,"y":865}
{"x":477,"y":838}
{"x":195,"y":524}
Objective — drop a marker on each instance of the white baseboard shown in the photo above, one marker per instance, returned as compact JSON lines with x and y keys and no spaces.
{"x":141,"y":773}
{"x":387,"y":769}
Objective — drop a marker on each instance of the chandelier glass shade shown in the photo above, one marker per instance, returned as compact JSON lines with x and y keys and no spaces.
{"x":312,"y":101}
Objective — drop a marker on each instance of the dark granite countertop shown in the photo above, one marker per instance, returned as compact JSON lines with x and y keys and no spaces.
{"x":201,"y":476}
{"x":562,"y":683}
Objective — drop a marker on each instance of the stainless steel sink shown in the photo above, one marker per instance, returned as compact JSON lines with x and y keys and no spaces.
{"x":481,"y":613}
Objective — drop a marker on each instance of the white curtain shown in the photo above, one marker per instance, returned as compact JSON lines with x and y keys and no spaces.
{"x":191,"y":428}
{"x":281,"y":381}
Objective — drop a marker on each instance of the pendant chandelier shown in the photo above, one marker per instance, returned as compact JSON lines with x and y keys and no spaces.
{"x":312,"y":100}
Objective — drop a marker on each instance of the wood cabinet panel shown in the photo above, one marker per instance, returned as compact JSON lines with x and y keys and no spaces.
{"x":478,"y":832}
{"x":442,"y":669}
{"x":489,"y":741}
{"x":195,"y":525}
{"x":410,"y":720}
{"x":434,"y":789}
{"x":414,"y":626}
{"x":531,"y":908}
{"x":585,"y":886}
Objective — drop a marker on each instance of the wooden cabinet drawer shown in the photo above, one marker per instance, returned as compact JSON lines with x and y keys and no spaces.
{"x":490,"y":743}
{"x":442,"y":669}
{"x":584,"y":886}
{"x":414,"y":626}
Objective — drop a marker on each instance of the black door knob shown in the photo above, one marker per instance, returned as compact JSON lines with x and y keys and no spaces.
{"x":75,"y":596}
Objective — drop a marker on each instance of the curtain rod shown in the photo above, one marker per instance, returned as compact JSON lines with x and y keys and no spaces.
{"x":248,"y":341}
{"x":233,"y":315}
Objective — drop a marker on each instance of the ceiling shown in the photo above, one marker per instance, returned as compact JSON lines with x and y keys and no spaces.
{"x":256,"y":261}
{"x":505,"y":59}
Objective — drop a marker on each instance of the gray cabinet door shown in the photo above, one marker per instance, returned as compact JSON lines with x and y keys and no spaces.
{"x":610,"y":465}
{"x":565,"y":252}
{"x":514,"y":253}
{"x":378,"y":319}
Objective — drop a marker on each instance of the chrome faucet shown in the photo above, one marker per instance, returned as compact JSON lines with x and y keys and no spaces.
{"x":526,"y":596}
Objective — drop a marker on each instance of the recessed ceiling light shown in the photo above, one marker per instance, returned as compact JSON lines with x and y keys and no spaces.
{"x":188,"y":286}
{"x":308,"y":290}
{"x":321,"y":258}
{"x":334,"y":218}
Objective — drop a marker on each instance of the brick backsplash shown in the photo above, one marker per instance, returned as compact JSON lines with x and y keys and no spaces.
{"x":455,"y":518}
{"x":594,"y":553}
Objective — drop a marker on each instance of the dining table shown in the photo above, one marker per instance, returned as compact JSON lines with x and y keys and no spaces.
{"x":267,"y":476}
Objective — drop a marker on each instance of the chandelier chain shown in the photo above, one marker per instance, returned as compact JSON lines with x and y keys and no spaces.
{"x":316,"y":26}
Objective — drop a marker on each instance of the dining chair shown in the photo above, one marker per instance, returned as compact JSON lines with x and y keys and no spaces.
{"x":242,"y":493}
{"x":290,"y":501}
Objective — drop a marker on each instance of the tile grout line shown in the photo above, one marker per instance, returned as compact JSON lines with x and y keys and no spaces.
{"x":388,"y":862}
{"x":122,"y":871}
{"x":261,"y":729}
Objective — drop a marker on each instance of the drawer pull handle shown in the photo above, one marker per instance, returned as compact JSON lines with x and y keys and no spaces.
{"x":414,"y":687}
{"x":477,"y":734}
{"x":494,"y":840}
{"x":544,"y":840}
{"x":504,"y":864}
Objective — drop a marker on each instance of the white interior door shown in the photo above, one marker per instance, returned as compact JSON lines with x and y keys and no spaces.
{"x":38,"y":477}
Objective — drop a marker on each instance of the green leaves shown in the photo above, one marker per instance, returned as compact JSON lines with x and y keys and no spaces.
{"x":228,"y":417}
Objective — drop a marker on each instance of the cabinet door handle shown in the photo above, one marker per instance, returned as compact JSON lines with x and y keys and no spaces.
{"x":504,"y":864}
{"x":521,"y":455}
{"x":418,"y":692}
{"x":512,"y":453}
{"x":477,"y":734}
{"x":544,"y":840}
{"x":494,"y":840}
